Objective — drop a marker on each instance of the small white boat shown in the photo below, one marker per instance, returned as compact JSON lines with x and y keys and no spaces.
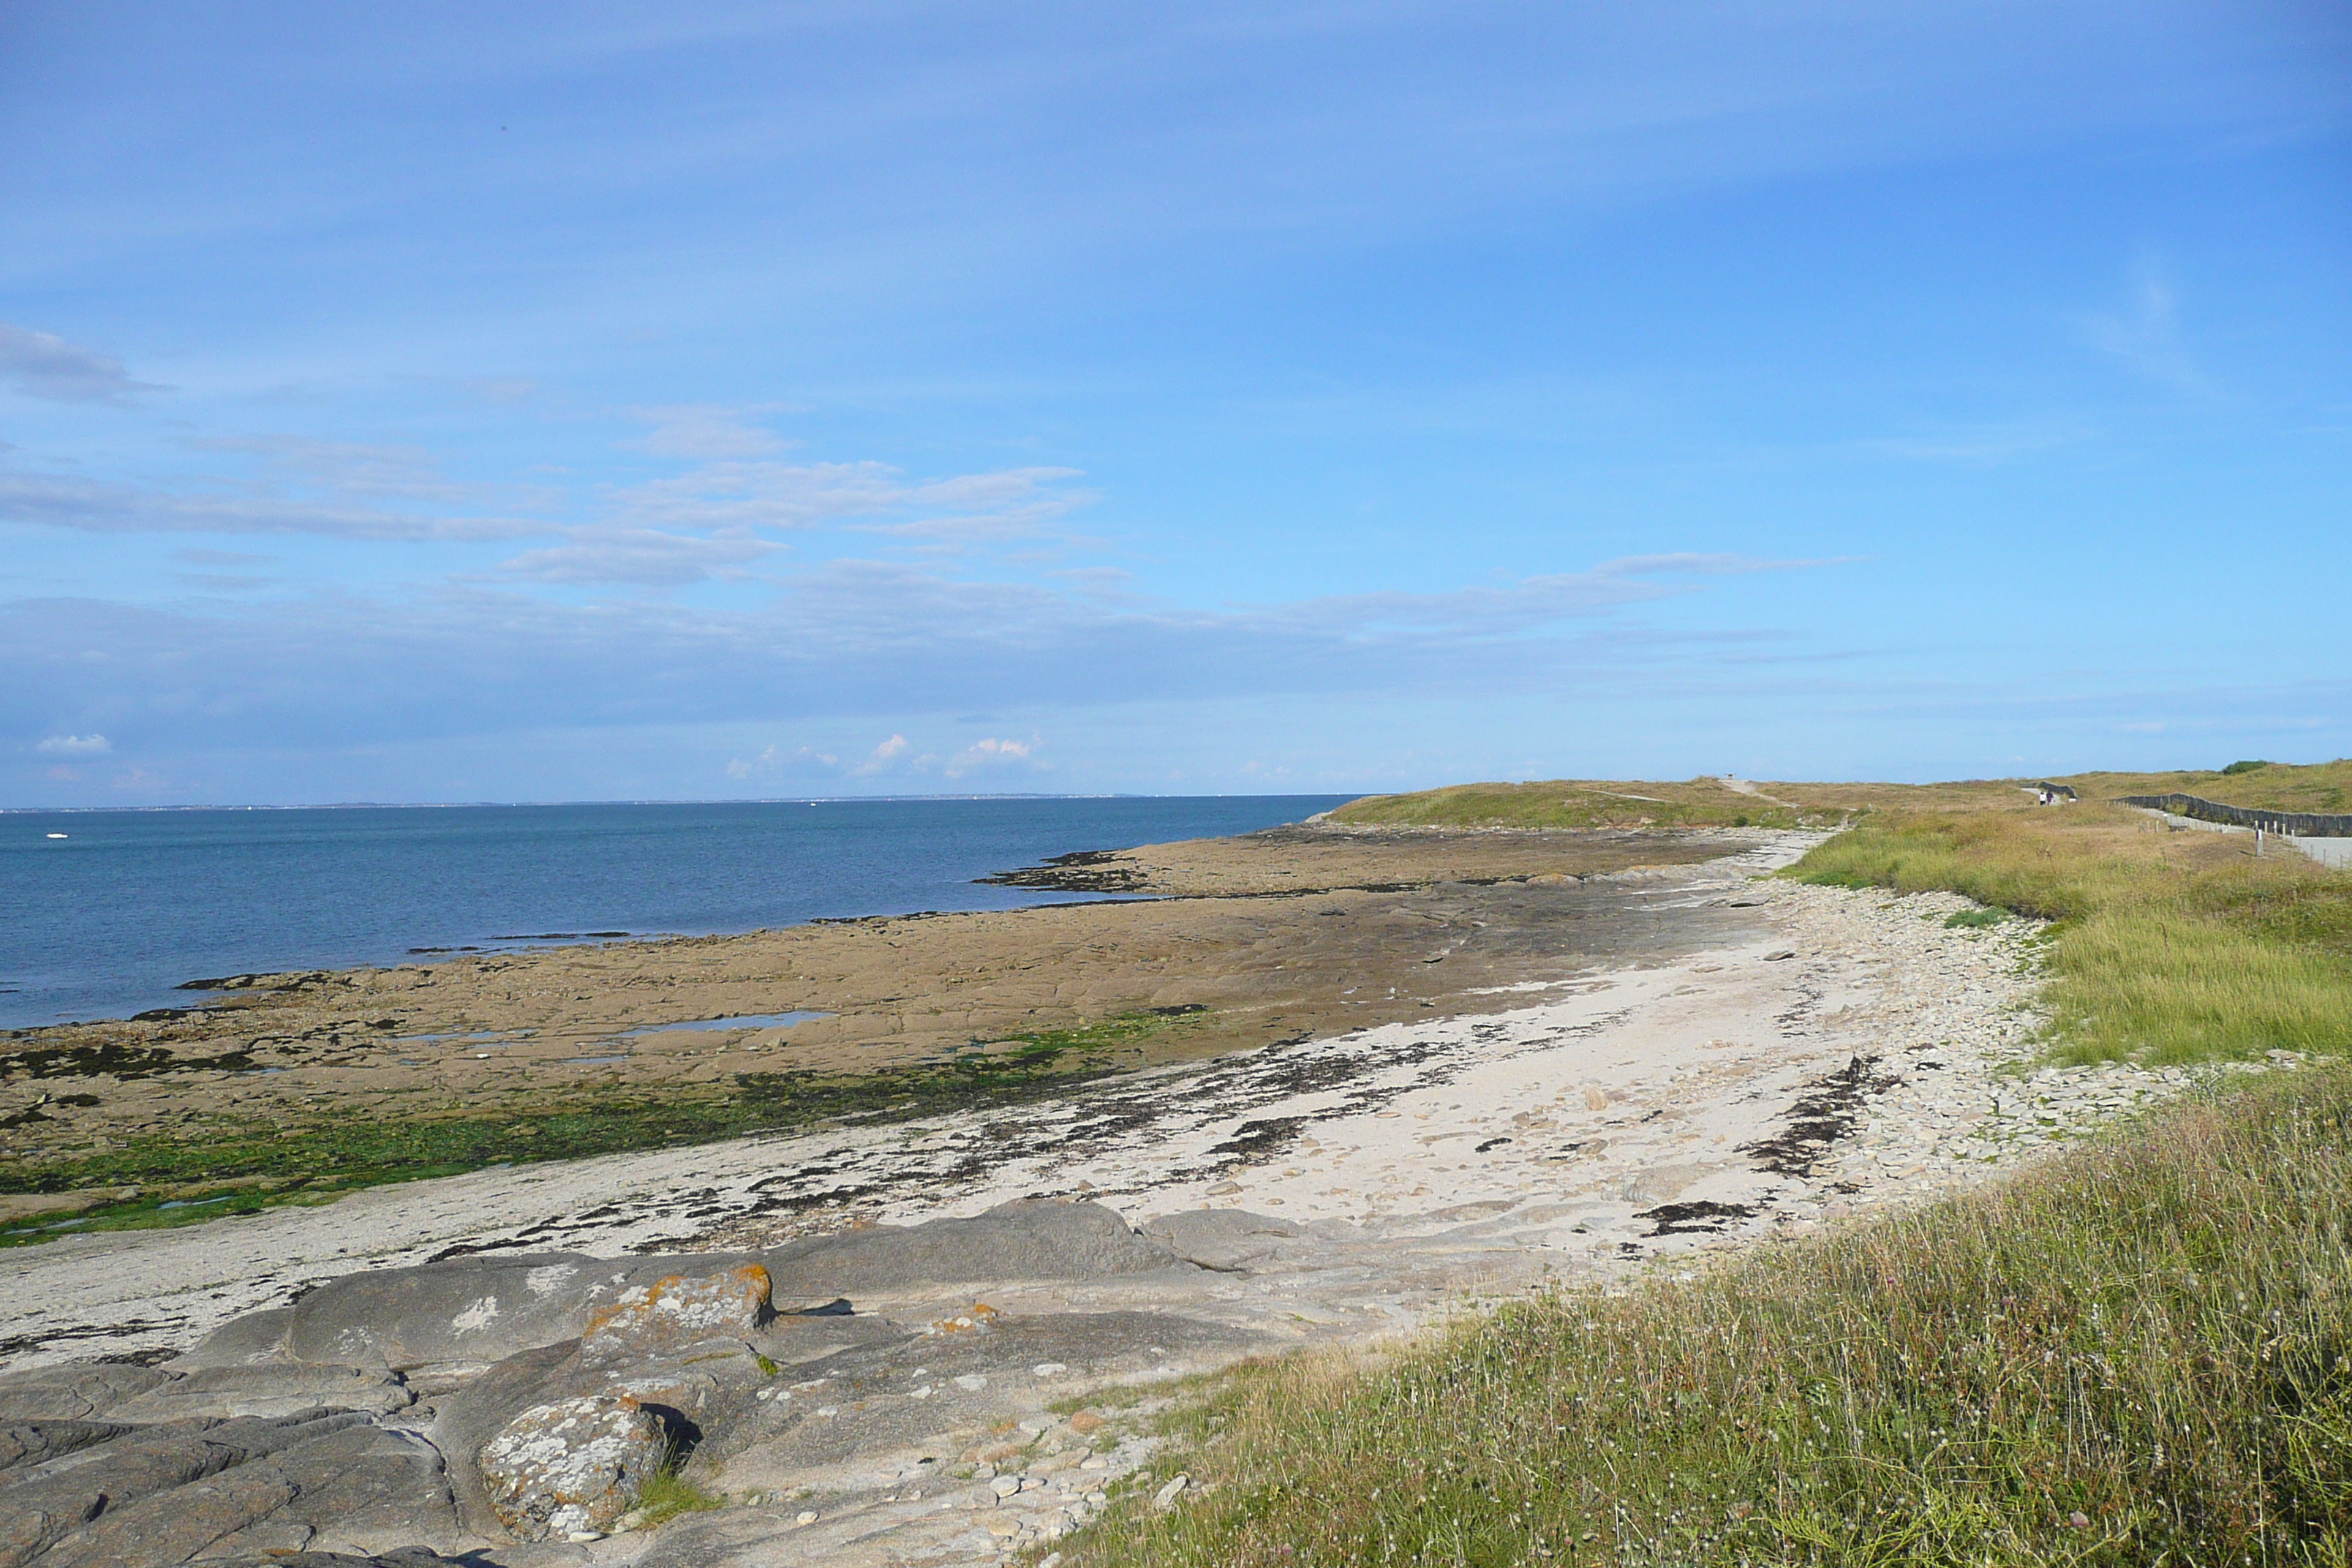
{"x":57,"y":835}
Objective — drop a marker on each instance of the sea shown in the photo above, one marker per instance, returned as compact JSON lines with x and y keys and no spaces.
{"x":105,"y":914}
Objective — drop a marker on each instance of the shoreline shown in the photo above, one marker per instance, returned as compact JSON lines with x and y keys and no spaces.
{"x":1531,"y":1141}
{"x":1826,"y":1053}
{"x":1238,"y":943}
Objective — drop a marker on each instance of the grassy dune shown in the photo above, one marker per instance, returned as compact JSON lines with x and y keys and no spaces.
{"x":2139,"y":1353}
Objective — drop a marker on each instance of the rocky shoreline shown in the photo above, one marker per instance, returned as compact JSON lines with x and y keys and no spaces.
{"x":942,"y":1342}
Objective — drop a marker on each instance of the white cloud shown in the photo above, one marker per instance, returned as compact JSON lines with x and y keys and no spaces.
{"x":647,"y":557}
{"x":988,"y":753}
{"x":880,"y":759}
{"x":706,"y":430}
{"x":43,"y":364}
{"x":74,"y":746}
{"x":738,"y":769}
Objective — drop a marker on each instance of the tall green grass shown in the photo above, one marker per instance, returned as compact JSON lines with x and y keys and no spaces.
{"x":2140,"y":1354}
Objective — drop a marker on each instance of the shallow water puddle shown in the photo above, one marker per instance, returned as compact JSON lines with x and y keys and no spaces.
{"x":740,"y":1022}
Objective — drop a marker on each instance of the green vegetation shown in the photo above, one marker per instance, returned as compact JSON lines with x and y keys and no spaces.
{"x":1973,"y":920}
{"x":669,"y":1494}
{"x":2140,"y":1354}
{"x":2322,"y":786}
{"x":1570,"y":802}
{"x":2167,"y":947}
{"x":226,"y":1169}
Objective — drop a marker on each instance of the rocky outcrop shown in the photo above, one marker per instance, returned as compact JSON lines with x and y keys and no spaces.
{"x":166,"y":1493}
{"x":467,"y":1405}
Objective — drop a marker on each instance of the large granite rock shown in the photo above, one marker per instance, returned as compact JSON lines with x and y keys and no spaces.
{"x":573,"y":1466}
{"x":555,"y":1386}
{"x":248,"y":1341}
{"x":475,"y":1310}
{"x":85,"y":1506}
{"x":1030,"y":1239}
{"x":266,"y":1389}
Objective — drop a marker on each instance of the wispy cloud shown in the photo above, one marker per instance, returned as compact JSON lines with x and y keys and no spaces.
{"x":1987,"y":444}
{"x":743,"y":494}
{"x":646,"y":557}
{"x":843,"y":639}
{"x":2145,"y":334}
{"x":93,"y":506}
{"x":707,"y":430}
{"x":42,"y":365}
{"x":74,"y":746}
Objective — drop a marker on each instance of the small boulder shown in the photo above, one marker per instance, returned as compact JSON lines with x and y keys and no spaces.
{"x":576,"y":1465}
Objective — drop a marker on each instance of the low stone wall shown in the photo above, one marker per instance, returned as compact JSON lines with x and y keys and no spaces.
{"x":2299,"y":824}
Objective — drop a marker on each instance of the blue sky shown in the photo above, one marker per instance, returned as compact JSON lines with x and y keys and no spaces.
{"x":530,"y":402}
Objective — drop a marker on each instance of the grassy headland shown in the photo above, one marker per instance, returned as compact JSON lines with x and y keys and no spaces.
{"x":2140,"y":1353}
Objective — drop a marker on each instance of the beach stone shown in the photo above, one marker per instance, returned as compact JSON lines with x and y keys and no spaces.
{"x":1025,"y":1239}
{"x":573,"y":1466}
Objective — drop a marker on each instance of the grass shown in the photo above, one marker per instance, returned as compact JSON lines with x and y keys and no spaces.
{"x":669,"y":1494}
{"x":2142,"y":1354}
{"x":1572,"y":802}
{"x":229,"y":1169}
{"x":1710,"y":803}
{"x":2167,"y":947}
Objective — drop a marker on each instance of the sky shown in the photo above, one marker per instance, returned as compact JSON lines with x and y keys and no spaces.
{"x":432,"y":402}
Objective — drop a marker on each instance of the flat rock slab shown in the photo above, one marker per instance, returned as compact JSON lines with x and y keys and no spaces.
{"x":1019,"y":1240}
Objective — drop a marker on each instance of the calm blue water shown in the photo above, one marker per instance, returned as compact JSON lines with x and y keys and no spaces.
{"x":105,"y":921}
